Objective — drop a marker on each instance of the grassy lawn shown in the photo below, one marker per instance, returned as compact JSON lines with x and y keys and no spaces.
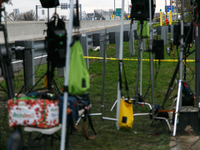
{"x":145,"y":134}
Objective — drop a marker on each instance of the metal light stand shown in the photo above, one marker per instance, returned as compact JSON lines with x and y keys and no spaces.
{"x":152,"y":77}
{"x":151,"y":43}
{"x":120,"y":58}
{"x":197,"y":64}
{"x":104,"y":39}
{"x":179,"y":97}
{"x":141,"y":62}
{"x":67,"y":64}
{"x":104,"y":68}
{"x":197,"y":57}
{"x":138,"y":63}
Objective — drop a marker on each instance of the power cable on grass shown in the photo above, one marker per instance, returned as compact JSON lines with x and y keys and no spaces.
{"x":194,"y":142}
{"x":175,"y":144}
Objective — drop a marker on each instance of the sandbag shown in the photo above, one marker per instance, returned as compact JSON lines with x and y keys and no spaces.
{"x":126,"y":114}
{"x":79,"y":79}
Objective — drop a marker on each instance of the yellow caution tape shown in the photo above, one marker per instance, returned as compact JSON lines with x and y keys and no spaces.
{"x":166,"y":60}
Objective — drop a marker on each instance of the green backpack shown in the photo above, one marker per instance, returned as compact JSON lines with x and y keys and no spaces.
{"x":79,"y":79}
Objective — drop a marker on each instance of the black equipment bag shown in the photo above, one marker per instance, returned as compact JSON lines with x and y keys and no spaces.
{"x":188,"y":33}
{"x":83,"y":100}
{"x":57,"y":42}
{"x":49,"y":3}
{"x":140,"y":9}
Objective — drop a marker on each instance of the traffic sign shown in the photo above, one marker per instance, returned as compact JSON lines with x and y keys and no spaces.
{"x":168,"y":8}
{"x":64,"y":6}
{"x":118,"y":11}
{"x":128,"y":16}
{"x":112,"y":16}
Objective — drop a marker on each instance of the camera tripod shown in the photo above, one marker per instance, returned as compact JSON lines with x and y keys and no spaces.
{"x":24,"y":87}
{"x":5,"y":61}
{"x":49,"y":88}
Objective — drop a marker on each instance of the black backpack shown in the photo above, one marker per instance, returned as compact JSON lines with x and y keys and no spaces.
{"x":57,"y":41}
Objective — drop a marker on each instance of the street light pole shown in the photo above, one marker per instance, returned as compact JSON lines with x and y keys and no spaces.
{"x":114,"y":10}
{"x":176,"y":10}
{"x":171,"y":7}
{"x":128,"y":8}
{"x":165,"y":9}
{"x":36,"y":12}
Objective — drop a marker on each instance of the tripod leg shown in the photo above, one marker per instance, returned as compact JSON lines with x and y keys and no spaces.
{"x":36,"y":84}
{"x":22,"y":89}
{"x":113,"y":105}
{"x":4,"y":90}
{"x":177,"y":107}
{"x":55,"y":85}
{"x":138,"y":63}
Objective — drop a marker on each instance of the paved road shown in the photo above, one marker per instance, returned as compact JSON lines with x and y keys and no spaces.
{"x":113,"y":29}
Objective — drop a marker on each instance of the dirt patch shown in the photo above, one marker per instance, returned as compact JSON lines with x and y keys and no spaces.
{"x":93,"y":60}
{"x":111,"y":47}
{"x":92,"y":76}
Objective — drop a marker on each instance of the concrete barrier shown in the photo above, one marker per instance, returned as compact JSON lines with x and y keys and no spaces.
{"x":34,"y":30}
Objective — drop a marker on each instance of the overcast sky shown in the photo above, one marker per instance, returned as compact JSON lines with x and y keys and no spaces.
{"x":87,"y":5}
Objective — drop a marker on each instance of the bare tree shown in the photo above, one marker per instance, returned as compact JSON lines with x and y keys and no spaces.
{"x":14,"y":17}
{"x":188,"y":9}
{"x":29,"y":16}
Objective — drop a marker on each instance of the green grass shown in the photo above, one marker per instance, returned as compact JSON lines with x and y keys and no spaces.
{"x":140,"y":137}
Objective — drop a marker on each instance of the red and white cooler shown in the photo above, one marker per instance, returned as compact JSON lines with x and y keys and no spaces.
{"x":41,"y":113}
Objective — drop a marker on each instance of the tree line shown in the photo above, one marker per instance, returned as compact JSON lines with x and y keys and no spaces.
{"x":26,"y":16}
